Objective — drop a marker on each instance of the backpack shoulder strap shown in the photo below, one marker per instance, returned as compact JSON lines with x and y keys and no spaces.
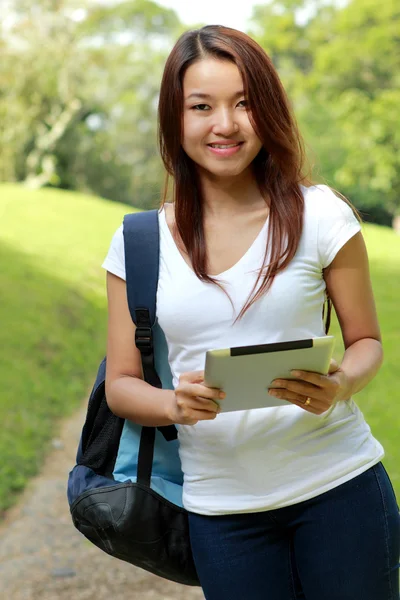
{"x":142,"y":251}
{"x":142,"y":259}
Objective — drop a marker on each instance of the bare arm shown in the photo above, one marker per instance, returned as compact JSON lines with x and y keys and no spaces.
{"x":128,"y":395}
{"x":349,"y":285}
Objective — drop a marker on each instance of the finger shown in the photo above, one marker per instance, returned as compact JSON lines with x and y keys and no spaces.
{"x":189,"y":402}
{"x":193,"y":376}
{"x":203,"y":391}
{"x":297,"y":387}
{"x":315,"y":378}
{"x":200,"y":403}
{"x":298,"y":399}
{"x":311,"y":408}
{"x":193,"y":409}
{"x":203,"y":415}
{"x":334,"y":366}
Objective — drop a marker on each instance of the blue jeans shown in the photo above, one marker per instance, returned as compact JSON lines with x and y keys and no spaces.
{"x":341,"y":545}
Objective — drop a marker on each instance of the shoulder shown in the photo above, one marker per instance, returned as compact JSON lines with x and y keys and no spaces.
{"x":321,"y":201}
{"x":117,"y":240}
{"x":330,"y":220}
{"x":115,"y":259}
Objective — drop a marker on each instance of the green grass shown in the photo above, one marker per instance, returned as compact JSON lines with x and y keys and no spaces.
{"x":379,"y":401}
{"x":53,"y":323}
{"x":53,"y":316}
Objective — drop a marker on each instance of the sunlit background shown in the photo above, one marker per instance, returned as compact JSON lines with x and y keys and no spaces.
{"x":79,"y":86}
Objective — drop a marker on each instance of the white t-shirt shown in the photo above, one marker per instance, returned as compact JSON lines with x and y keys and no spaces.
{"x":262,"y":459}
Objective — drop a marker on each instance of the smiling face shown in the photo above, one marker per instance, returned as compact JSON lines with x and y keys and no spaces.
{"x":217,"y":133}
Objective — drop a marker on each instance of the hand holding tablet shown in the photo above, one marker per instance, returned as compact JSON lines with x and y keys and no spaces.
{"x":246,"y":373}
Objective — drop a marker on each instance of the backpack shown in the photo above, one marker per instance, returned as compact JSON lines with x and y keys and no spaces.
{"x":125,"y":491}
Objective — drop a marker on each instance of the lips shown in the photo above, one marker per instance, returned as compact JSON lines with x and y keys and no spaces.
{"x":224,"y":145}
{"x":225,"y":150}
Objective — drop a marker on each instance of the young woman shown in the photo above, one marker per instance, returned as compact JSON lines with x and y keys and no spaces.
{"x":286,"y":502}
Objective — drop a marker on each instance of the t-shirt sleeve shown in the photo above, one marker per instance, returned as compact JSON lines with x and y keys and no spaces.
{"x":337,"y":224}
{"x":115,"y":259}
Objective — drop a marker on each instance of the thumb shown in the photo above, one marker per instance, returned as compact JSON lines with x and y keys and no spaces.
{"x":195,"y":376}
{"x":334,"y":366}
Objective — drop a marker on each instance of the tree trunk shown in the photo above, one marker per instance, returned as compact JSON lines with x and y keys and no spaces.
{"x":396,"y":224}
{"x":40,"y":162}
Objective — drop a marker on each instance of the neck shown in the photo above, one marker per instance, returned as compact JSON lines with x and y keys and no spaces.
{"x":226,"y":196}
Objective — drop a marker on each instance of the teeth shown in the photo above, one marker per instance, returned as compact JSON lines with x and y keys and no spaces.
{"x":224,"y":146}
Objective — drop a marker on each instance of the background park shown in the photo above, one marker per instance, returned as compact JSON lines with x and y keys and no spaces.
{"x":78,"y":102}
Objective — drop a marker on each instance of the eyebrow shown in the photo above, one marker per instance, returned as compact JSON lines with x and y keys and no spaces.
{"x":207,"y":96}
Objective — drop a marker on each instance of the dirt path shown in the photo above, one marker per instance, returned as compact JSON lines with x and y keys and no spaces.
{"x":43,"y":557}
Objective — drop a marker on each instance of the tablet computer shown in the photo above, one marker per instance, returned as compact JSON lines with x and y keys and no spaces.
{"x":245,"y":373}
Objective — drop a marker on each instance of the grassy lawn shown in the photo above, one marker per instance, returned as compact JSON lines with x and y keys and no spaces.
{"x":53,"y":315}
{"x":379,"y":400}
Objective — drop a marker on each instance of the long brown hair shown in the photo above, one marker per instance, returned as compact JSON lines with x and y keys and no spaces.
{"x":278,"y":168}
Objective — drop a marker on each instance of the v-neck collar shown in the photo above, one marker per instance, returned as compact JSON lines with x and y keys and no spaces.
{"x":242,"y":260}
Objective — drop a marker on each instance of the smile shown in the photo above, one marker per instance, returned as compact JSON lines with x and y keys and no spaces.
{"x":225,"y":149}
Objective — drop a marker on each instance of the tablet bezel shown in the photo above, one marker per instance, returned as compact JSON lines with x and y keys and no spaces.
{"x":326,"y":342}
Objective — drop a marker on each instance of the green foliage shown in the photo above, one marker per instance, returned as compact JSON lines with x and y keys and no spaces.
{"x":53,"y":315}
{"x":359,"y":70}
{"x":52,"y":342}
{"x":143,"y":18}
{"x":341,"y":69}
{"x":78,"y":97}
{"x":79,"y":92}
{"x":378,"y":401}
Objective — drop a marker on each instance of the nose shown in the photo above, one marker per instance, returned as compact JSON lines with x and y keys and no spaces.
{"x":225,"y":123}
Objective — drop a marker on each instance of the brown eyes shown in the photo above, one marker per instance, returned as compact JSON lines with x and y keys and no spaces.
{"x":200,"y":107}
{"x":205,"y":107}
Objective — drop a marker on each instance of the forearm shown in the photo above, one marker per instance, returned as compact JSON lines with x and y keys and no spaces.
{"x":134,"y":399}
{"x":361,"y":362}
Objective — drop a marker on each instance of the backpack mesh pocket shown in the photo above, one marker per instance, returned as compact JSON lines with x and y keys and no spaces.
{"x":102,"y":431}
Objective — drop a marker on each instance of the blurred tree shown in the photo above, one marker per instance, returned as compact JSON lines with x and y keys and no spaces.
{"x":78,"y":89}
{"x":276,"y":27}
{"x":358,"y":71}
{"x":341,"y":67}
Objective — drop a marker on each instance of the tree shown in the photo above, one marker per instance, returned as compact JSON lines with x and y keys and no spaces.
{"x":341,"y":68}
{"x":359,"y":67}
{"x":82,"y":108}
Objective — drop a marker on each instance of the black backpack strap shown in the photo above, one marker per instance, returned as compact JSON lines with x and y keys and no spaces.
{"x":142,"y":253}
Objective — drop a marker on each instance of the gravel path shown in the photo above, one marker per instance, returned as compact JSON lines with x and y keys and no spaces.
{"x":43,"y":557}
